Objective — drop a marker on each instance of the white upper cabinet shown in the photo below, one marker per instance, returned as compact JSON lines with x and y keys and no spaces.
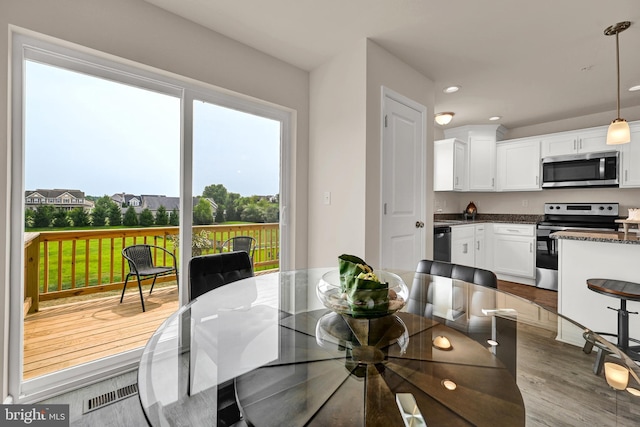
{"x":518,"y":165}
{"x":482,"y":163}
{"x":630,"y":162}
{"x":449,"y":165}
{"x":580,"y":141}
{"x":481,"y":153}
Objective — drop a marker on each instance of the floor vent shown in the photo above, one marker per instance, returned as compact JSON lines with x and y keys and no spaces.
{"x":109,"y":397}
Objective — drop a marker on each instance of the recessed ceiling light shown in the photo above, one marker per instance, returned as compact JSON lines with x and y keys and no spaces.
{"x":451,"y":89}
{"x":494,"y":118}
{"x":634,"y":88}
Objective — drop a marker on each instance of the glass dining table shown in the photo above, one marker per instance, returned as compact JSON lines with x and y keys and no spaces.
{"x":455,"y":354}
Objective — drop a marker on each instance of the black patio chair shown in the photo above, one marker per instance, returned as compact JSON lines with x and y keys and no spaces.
{"x":141,"y":265}
{"x":240,"y":243}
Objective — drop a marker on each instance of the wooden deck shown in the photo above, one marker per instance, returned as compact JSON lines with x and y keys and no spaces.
{"x":68,"y":335}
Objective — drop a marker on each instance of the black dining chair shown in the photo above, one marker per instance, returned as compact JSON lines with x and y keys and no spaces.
{"x":478,"y":276}
{"x":469,"y":318}
{"x":239,"y":243}
{"x":208,"y":272}
{"x":142,"y":266}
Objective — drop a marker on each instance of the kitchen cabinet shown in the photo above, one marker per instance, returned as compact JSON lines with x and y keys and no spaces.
{"x":462,"y":245}
{"x":482,"y":163}
{"x":514,"y":250}
{"x":518,"y":165}
{"x":449,"y":165}
{"x":480,"y":250}
{"x":630,"y":159}
{"x":589,"y":140}
{"x":481,"y":153}
{"x":468,"y":245}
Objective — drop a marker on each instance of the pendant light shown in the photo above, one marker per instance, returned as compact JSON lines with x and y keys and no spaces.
{"x":618,"y":132}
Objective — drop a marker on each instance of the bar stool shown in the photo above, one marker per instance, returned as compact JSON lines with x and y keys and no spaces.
{"x":624,"y":291}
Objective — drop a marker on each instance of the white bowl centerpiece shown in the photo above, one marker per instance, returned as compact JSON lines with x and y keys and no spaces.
{"x":387,"y":298}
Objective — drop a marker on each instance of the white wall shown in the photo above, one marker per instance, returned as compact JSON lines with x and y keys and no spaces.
{"x":513,"y":202}
{"x":384,"y":69}
{"x":337,"y":147}
{"x":140,"y":32}
{"x":344,"y":149}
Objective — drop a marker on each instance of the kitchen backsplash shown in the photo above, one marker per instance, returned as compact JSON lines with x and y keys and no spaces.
{"x":532,"y":202}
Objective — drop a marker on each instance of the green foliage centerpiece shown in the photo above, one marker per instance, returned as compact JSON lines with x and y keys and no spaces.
{"x":366,"y":295}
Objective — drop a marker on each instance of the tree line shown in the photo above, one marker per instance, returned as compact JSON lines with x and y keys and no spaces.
{"x":106,"y":212}
{"x":234,"y":207}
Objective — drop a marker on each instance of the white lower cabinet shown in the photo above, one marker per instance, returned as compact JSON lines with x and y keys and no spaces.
{"x":480,"y":250}
{"x":468,"y":245}
{"x":506,"y":249}
{"x":514,"y":250}
{"x":462,"y":245}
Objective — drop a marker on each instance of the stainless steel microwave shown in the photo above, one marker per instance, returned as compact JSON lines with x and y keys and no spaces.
{"x":581,"y":170}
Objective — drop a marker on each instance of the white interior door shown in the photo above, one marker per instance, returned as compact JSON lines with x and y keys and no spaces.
{"x":403,"y":182}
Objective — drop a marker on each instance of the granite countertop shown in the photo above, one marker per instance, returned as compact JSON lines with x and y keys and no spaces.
{"x":598,"y":236}
{"x":440,"y":220}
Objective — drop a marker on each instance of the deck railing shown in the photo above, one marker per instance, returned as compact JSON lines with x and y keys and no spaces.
{"x":77,"y":262}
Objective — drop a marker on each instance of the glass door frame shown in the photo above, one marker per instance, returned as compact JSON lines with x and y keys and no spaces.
{"x":27,"y":45}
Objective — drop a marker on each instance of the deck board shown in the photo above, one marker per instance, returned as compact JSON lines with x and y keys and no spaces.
{"x":64,"y":336}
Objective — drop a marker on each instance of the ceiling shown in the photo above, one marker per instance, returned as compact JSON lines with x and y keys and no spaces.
{"x":528,"y":61}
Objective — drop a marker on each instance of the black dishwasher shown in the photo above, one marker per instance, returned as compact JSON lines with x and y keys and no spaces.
{"x":442,"y":243}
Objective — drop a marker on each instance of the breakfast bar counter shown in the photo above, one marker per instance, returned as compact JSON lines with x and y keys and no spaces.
{"x":598,"y":236}
{"x":585,"y":255}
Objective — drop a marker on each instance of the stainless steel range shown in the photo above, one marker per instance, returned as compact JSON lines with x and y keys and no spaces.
{"x":567,"y":216}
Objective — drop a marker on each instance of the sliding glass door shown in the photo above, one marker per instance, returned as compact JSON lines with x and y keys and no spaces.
{"x":108,"y":155}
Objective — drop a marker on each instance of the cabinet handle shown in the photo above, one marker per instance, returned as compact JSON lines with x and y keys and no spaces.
{"x":465,"y":248}
{"x":456,"y":180}
{"x":530,"y":247}
{"x":575,"y":144}
{"x":511,"y":230}
{"x":580,"y":146}
{"x":493,"y":181}
{"x":478,"y":244}
{"x":626,"y":175}
{"x":537,"y":180}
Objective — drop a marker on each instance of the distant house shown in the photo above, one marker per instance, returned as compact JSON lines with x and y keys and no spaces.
{"x":153,"y":202}
{"x":124,"y":199}
{"x":60,"y":198}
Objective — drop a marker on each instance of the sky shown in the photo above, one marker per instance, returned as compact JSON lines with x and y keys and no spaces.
{"x":100,"y":137}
